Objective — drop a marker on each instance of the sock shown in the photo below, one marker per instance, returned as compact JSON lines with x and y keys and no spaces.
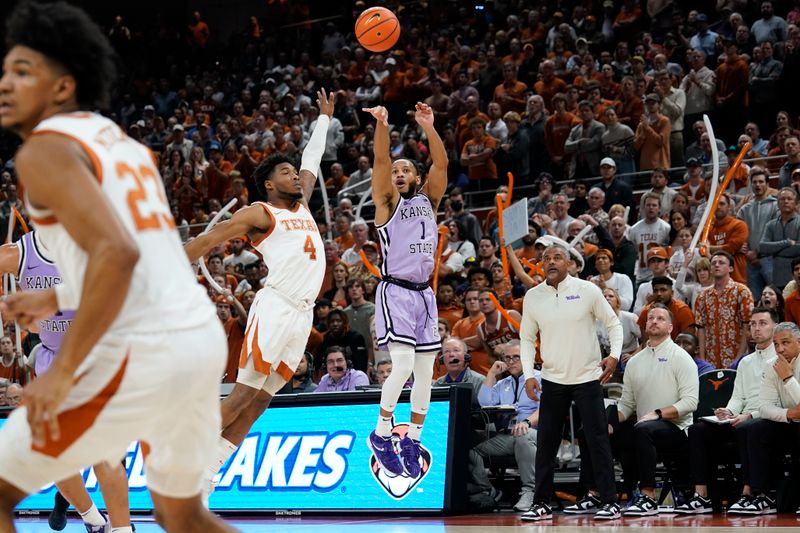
{"x":384,"y":426}
{"x":414,"y":431}
{"x":225,"y":449}
{"x":93,"y":517}
{"x":126,"y":529}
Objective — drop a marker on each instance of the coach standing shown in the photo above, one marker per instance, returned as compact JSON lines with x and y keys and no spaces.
{"x":563,"y":311}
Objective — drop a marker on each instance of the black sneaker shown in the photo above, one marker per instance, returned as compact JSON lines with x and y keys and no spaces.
{"x":539,"y":511}
{"x":589,"y":504}
{"x":695,"y":505}
{"x":740,"y":504}
{"x":609,"y":511}
{"x":642,"y":506}
{"x":58,"y":516}
{"x":761,"y":504}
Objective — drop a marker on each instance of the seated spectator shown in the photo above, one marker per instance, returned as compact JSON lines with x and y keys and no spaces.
{"x":13,"y":395}
{"x":339,"y":334}
{"x":682,"y":317}
{"x":691,"y":344}
{"x":11,"y":362}
{"x":467,"y":330}
{"x":495,"y":330}
{"x":239,"y":255}
{"x":337,"y":294}
{"x":792,"y":302}
{"x":341,"y":375}
{"x":4,"y":383}
{"x":607,"y":278}
{"x":448,"y":306}
{"x":455,"y":358}
{"x":303,"y":378}
{"x":252,"y":278}
{"x":516,"y":433}
{"x":706,"y":439}
{"x":382,"y":371}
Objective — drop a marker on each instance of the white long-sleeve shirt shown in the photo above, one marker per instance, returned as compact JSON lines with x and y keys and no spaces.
{"x":776,"y":396}
{"x":747,"y":386}
{"x":661,"y":377}
{"x":565,"y":319}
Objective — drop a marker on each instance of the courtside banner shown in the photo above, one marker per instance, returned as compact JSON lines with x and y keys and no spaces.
{"x":310,"y":457}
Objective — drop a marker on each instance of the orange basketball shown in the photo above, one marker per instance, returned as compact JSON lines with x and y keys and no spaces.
{"x":377,"y":29}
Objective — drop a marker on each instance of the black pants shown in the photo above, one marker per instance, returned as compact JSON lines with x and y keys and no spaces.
{"x":555,"y":403}
{"x":638,"y":448}
{"x":708,"y":444}
{"x":767,"y":443}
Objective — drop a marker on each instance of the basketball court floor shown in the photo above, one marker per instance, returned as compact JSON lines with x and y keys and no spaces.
{"x":487,"y":523}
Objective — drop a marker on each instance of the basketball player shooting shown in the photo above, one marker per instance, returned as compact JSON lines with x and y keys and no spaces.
{"x":142,"y":323}
{"x":279,"y":323}
{"x":405,"y":306}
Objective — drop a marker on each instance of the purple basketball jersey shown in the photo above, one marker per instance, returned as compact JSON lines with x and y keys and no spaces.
{"x":408,"y":240}
{"x":408,"y":244}
{"x":36,"y":273}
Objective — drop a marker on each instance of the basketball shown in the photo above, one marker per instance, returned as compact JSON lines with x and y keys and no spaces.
{"x":377,"y":29}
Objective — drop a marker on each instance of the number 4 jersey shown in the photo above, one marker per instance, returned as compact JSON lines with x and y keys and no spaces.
{"x":294,"y":252}
{"x":164,"y":293}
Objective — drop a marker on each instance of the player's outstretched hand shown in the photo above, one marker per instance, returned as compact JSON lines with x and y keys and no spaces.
{"x":325,"y":103}
{"x":41,"y":397}
{"x":424,"y":115}
{"x":29,"y":307}
{"x":379,"y":112}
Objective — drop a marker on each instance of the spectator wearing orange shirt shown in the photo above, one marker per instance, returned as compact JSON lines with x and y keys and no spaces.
{"x":652,"y":135}
{"x":511,"y":93}
{"x":549,"y":84}
{"x":556,"y":132}
{"x":337,"y":178}
{"x":466,"y":329}
{"x":729,"y":234}
{"x":477,"y":155}
{"x":466,"y":63}
{"x":631,"y":106}
{"x":610,"y":89}
{"x":345,"y":237}
{"x":463,"y":132}
{"x":199,"y":30}
{"x":234,"y":331}
{"x":448,"y":306}
{"x":791,"y":306}
{"x":733,"y":77}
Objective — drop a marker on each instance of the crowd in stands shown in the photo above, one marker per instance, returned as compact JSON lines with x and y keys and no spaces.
{"x":594,"y":107}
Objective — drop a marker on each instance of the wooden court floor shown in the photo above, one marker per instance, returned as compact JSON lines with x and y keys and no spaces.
{"x":488,"y":523}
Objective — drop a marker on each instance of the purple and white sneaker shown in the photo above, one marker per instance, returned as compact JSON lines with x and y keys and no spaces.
{"x":383,"y":449}
{"x":409,"y":452}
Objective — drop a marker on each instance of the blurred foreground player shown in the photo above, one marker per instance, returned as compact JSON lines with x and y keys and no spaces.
{"x":406,"y":322}
{"x":29,"y":261}
{"x":142,"y":323}
{"x":283,"y":230}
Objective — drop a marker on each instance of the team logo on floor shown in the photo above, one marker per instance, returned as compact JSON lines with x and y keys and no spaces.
{"x":398,"y":487}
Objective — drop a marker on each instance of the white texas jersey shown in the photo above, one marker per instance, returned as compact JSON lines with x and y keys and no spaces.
{"x":294,"y":252}
{"x":164,"y":293}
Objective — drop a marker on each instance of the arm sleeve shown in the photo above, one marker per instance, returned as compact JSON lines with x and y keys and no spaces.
{"x":737,"y":401}
{"x":527,"y":339}
{"x":312,"y":155}
{"x":603,"y":312}
{"x":688,"y":386}
{"x":770,"y":400}
{"x":793,"y":388}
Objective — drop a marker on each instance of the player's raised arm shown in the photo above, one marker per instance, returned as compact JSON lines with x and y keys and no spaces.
{"x":384,"y":193}
{"x":437,"y":175}
{"x":314,"y":150}
{"x":249,"y":221}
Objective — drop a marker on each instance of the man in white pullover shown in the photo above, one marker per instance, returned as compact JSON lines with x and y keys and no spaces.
{"x":660,"y":389}
{"x":706,"y":439}
{"x":774,"y":434}
{"x":563,"y":310}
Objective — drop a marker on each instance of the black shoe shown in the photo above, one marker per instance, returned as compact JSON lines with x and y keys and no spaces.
{"x":58,"y":516}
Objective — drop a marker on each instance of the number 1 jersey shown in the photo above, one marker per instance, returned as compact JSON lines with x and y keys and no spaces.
{"x":294,"y":252}
{"x":164,"y":293}
{"x":408,"y":240}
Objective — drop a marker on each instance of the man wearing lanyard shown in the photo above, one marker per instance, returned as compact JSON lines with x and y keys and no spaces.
{"x":563,"y":312}
{"x":518,"y":436}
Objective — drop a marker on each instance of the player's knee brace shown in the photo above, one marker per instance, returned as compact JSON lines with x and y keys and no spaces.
{"x":423,"y":377}
{"x":402,"y":366}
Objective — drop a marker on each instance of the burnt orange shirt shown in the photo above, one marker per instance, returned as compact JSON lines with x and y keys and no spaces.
{"x":466,"y":327}
{"x":556,"y":132}
{"x":548,"y":90}
{"x":731,"y":233}
{"x":235,"y":333}
{"x":511,"y":96}
{"x":682,"y":317}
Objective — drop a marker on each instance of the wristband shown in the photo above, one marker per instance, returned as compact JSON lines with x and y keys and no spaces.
{"x":528,"y":422}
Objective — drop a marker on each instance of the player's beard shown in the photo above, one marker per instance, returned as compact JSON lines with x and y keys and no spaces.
{"x":413,"y":187}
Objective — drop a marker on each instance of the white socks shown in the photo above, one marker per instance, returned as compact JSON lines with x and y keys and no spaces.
{"x":93,"y":517}
{"x":384,"y":426}
{"x":126,"y":529}
{"x":414,"y":431}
